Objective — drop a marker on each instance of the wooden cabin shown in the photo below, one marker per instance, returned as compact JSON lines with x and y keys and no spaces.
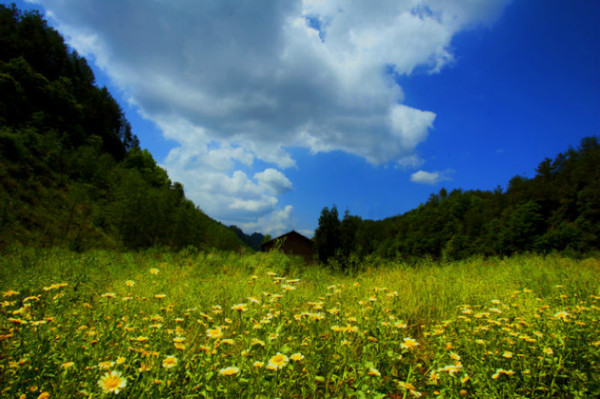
{"x":292,"y":243}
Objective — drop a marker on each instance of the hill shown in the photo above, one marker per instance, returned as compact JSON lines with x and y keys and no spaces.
{"x":557,"y":210}
{"x":252,"y":240}
{"x":72,"y":173}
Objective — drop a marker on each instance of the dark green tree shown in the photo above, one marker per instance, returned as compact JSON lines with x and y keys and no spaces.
{"x":327,"y":235}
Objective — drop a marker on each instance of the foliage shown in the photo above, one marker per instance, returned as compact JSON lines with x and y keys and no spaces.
{"x":71,"y":171}
{"x":557,"y":210}
{"x":218,"y":324}
{"x":327,"y":235}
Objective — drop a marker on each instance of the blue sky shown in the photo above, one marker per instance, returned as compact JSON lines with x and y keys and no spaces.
{"x":270,"y":111}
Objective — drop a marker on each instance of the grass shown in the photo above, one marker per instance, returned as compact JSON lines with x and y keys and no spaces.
{"x":224,"y":325}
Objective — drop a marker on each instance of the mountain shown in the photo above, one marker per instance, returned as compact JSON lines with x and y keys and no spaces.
{"x":253,"y":241}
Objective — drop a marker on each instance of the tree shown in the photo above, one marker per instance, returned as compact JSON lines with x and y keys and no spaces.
{"x":327,"y":235}
{"x":522,"y":226}
{"x":349,"y":228}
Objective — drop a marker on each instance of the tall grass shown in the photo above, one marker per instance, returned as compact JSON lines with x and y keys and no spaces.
{"x":221,"y":324}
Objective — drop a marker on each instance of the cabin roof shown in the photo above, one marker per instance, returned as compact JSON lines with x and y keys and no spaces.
{"x":292,"y":233}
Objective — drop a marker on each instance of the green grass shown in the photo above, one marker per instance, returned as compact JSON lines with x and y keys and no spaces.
{"x":520,"y":327}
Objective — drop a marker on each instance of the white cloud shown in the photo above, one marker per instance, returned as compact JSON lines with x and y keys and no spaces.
{"x":410,"y":125}
{"x":238,"y":81}
{"x":431,"y":178}
{"x":274,"y":223}
{"x":274,"y":181}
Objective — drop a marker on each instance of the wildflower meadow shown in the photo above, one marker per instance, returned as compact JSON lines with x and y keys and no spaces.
{"x":224,"y":325}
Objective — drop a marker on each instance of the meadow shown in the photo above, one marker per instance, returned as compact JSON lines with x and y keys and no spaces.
{"x":224,"y":325}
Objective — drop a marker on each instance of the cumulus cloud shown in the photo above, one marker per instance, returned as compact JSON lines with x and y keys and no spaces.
{"x":274,"y":181}
{"x":238,"y":81}
{"x":431,"y":178}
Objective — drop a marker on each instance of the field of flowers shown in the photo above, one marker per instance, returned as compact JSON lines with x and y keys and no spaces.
{"x":195,"y":325}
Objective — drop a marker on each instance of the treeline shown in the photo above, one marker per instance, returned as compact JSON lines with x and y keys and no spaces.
{"x":71,"y":171}
{"x":557,"y":210}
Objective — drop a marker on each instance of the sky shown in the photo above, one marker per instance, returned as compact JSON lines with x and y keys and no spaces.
{"x":269,"y":111}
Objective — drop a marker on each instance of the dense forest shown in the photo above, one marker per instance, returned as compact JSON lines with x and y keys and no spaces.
{"x":557,"y":210}
{"x":71,"y":171}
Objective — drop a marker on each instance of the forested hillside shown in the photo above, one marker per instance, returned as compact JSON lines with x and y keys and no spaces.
{"x":558,"y":209}
{"x":72,"y":173}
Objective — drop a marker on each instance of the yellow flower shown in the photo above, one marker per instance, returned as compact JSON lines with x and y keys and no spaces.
{"x":562,"y":315}
{"x":44,"y":395}
{"x":9,"y":293}
{"x":169,"y":362}
{"x":55,"y":286}
{"x":179,"y":347}
{"x":278,"y":361}
{"x":141,"y":339}
{"x":253,"y":299}
{"x":350,"y":329}
{"x":159,"y":296}
{"x":214,"y":333}
{"x":229,"y":371}
{"x":297,"y":357}
{"x":434,"y":377}
{"x":109,"y":295}
{"x":400,"y":324}
{"x":145,"y":367}
{"x":67,"y":365}
{"x":112,"y":382}
{"x":502,"y":371}
{"x":452,"y":368}
{"x":507,"y":355}
{"x":373,"y":372}
{"x":407,"y":385}
{"x":154,"y":271}
{"x":120,"y":360}
{"x":258,"y":364}
{"x":409,"y":343}
{"x":130,"y":283}
{"x":548,"y":351}
{"x":106,"y":365}
{"x":240,"y":307}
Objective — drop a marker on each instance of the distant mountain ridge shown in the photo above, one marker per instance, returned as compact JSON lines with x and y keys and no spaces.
{"x":253,"y":240}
